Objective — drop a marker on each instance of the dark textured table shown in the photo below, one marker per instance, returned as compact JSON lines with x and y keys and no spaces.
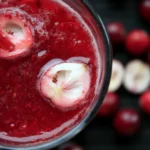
{"x":100,"y":135}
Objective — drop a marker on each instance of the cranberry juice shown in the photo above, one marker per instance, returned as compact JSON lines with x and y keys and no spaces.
{"x":52,"y":30}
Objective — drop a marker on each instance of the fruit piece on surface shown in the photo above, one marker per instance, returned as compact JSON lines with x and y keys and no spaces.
{"x":117,"y":76}
{"x":145,"y":9}
{"x":137,"y":76}
{"x":127,"y":122}
{"x":110,"y":105}
{"x":137,"y":42}
{"x":15,"y":35}
{"x":116,"y":31}
{"x":144,"y":102}
{"x":65,"y":84}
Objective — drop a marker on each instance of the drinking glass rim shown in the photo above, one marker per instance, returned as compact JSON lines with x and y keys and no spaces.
{"x":77,"y":129}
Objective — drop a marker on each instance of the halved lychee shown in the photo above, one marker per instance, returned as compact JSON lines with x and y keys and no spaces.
{"x":137,"y":76}
{"x":117,"y":76}
{"x":65,"y":84}
{"x":15,"y":35}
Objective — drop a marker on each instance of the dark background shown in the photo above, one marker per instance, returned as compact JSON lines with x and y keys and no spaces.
{"x":100,"y":135}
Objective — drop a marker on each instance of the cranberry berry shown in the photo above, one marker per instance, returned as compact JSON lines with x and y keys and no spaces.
{"x":127,"y":122}
{"x":137,"y":42}
{"x":145,"y":9}
{"x":145,"y":102}
{"x":109,"y":105}
{"x":116,"y":32}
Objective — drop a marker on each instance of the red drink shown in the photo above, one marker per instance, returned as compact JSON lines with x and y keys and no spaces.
{"x":47,"y":31}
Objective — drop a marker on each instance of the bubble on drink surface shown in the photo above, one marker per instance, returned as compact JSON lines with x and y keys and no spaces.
{"x":42,"y":53}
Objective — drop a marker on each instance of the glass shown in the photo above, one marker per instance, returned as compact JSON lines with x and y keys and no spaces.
{"x":84,"y":8}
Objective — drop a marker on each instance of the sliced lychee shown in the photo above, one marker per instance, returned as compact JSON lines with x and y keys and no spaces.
{"x":16,"y":33}
{"x":117,"y":76}
{"x":137,"y":77}
{"x":65,"y":84}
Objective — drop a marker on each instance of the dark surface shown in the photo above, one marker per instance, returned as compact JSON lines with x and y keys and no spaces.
{"x":100,"y":135}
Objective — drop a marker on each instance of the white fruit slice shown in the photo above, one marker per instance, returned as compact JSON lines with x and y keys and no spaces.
{"x":137,"y":77}
{"x":117,"y":76}
{"x":65,"y":84}
{"x":17,"y":32}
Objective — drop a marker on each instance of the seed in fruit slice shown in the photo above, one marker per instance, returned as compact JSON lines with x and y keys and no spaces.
{"x":137,"y":77}
{"x":145,"y":9}
{"x":70,"y":146}
{"x":16,"y":33}
{"x":109,"y":105}
{"x":137,"y":42}
{"x":65,"y":84}
{"x":145,"y":102}
{"x":116,"y":31}
{"x":117,"y":76}
{"x":127,"y":122}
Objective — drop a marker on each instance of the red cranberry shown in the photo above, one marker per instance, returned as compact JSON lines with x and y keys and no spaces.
{"x":145,"y":9}
{"x":70,"y":146}
{"x":116,"y":32}
{"x":145,"y":102}
{"x":137,"y":42}
{"x":110,"y":105}
{"x":127,"y":122}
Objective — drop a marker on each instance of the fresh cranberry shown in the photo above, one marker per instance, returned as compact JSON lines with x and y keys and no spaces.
{"x":127,"y":122}
{"x":116,"y":32}
{"x":137,"y":42}
{"x":145,"y":102}
{"x":70,"y":146}
{"x":110,"y":105}
{"x":145,"y":9}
